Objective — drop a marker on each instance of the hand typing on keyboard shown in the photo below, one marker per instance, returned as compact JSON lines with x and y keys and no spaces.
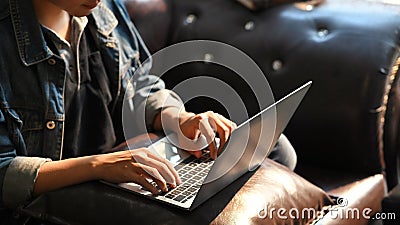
{"x":189,"y":127}
{"x":207,"y":124}
{"x":138,"y":166}
{"x":192,"y":127}
{"x":192,"y":172}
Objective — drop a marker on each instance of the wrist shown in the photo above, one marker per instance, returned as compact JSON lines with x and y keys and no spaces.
{"x":101,"y":166}
{"x":96,"y":166}
{"x":184,"y":116}
{"x":172,"y":118}
{"x":57,"y":174}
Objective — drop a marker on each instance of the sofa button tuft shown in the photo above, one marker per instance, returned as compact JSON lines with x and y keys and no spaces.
{"x":322,"y":32}
{"x":191,"y":18}
{"x":16,"y":215}
{"x":277,"y":65}
{"x":249,"y":26}
{"x":384,"y":71}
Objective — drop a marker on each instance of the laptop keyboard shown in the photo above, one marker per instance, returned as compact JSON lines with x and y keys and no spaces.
{"x":192,"y":174}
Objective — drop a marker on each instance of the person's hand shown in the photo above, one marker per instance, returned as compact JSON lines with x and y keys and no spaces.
{"x":207,"y":124}
{"x":137,"y":166}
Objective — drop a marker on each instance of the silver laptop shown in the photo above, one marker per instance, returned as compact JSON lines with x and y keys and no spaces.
{"x":249,"y":144}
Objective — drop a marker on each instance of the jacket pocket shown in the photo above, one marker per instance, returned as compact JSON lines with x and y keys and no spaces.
{"x":14,"y":125}
{"x":31,"y":130}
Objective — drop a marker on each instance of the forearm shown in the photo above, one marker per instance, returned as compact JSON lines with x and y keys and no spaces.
{"x":59,"y":174}
{"x":151,"y":106}
{"x":170,"y":119}
{"x":117,"y":167}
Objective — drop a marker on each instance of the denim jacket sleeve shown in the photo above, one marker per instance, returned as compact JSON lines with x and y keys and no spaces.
{"x":150,"y":98}
{"x":19,"y":179}
{"x":17,"y":173}
{"x":150,"y":95}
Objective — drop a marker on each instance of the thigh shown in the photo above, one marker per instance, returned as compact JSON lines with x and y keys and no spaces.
{"x":284,"y":153}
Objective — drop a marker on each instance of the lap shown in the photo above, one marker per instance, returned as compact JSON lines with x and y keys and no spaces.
{"x":284,"y":153}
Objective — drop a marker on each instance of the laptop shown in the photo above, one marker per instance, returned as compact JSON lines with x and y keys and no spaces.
{"x":247,"y":147}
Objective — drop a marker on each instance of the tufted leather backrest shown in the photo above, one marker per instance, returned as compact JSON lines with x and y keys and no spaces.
{"x":152,"y":18}
{"x":348,"y":49}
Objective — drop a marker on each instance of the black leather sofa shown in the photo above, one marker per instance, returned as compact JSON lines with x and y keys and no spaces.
{"x":346,"y":131}
{"x":347,"y":128}
{"x":348,"y":124}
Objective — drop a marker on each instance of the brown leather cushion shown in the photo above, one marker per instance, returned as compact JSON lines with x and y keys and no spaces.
{"x":273,"y":194}
{"x":360,"y":200}
{"x":96,"y":203}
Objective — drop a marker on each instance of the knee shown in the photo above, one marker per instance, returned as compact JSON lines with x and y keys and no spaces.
{"x":286,"y":155}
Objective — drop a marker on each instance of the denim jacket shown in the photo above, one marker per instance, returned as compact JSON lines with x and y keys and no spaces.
{"x":32,"y":88}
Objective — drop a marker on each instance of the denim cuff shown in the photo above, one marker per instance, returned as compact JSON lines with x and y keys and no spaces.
{"x":161,"y":99}
{"x":19,"y":180}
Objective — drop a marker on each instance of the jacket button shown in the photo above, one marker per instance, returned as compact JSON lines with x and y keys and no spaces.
{"x":51,"y":125}
{"x":51,"y":62}
{"x":111,"y":45}
{"x":309,"y":7}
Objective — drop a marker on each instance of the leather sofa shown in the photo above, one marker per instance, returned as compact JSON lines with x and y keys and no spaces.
{"x":349,"y":121}
{"x":347,"y":127}
{"x":345,"y":131}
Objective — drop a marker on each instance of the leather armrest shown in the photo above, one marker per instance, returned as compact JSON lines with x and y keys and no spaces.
{"x":358,"y":202}
{"x":273,"y":197}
